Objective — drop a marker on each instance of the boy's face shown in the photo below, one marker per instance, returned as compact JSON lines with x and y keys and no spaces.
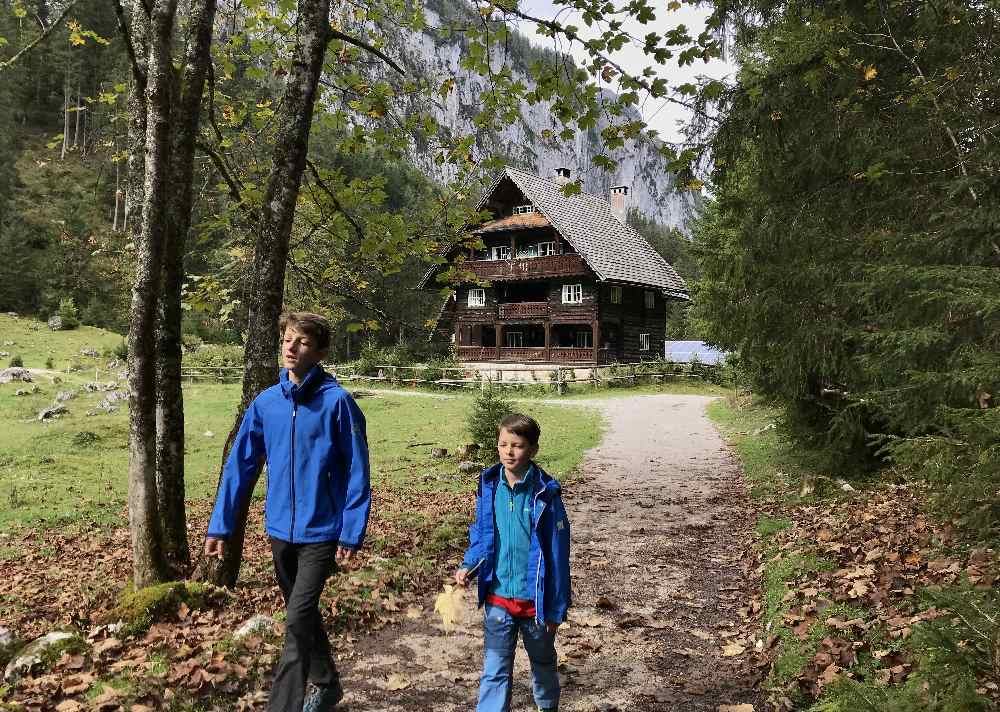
{"x":515,"y":451}
{"x":299,"y":352}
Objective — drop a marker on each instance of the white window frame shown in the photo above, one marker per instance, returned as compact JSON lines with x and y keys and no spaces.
{"x":523,"y":209}
{"x":650,"y":299}
{"x":546,"y":248}
{"x":644,"y":342}
{"x":572,"y":294}
{"x":513,"y":336}
{"x":616,"y":295}
{"x":527,"y":251}
{"x":501,"y":252}
{"x":477,"y":297}
{"x":584,"y":339}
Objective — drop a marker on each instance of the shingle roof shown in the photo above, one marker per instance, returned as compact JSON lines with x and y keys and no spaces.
{"x":611,"y":248}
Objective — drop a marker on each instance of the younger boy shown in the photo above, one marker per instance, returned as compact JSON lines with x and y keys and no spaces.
{"x":519,"y":549}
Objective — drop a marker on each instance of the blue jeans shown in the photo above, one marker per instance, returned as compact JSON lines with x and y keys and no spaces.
{"x":500,"y":630}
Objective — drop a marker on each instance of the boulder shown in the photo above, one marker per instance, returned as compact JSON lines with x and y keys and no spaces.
{"x":13,"y":315}
{"x":6,"y":637}
{"x":468,"y":451}
{"x":54,"y":410}
{"x":15,"y":373}
{"x":258,"y":625}
{"x":31,"y":654}
{"x":467,"y":467}
{"x":439,"y":453}
{"x":63,"y":396}
{"x":55,"y":323}
{"x":89,"y":351}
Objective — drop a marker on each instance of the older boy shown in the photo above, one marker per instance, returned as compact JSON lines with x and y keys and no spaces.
{"x":519,"y":548}
{"x":312,"y":435}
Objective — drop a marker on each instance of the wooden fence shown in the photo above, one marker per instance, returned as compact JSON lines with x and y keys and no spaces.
{"x":464,"y":377}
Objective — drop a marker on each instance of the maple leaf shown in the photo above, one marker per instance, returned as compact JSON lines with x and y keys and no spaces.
{"x":397,"y":682}
{"x":733,"y":649}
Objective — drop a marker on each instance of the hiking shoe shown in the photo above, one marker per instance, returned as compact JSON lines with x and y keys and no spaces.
{"x":322,"y":698}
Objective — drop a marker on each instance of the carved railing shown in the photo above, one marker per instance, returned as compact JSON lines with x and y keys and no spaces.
{"x":527,"y":267}
{"x":563,"y":354}
{"x":524,"y":310}
{"x":477,"y":353}
{"x":522,"y":353}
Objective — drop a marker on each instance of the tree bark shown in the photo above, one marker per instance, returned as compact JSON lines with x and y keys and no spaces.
{"x":148,"y":564}
{"x":184,"y":122}
{"x":260,"y":365}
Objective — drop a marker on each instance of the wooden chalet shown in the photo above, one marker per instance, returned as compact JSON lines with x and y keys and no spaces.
{"x":559,"y":280}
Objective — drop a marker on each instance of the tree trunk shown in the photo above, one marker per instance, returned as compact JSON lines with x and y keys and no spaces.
{"x":260,"y":365}
{"x":148,"y":563}
{"x":65,"y":144}
{"x":184,"y":123}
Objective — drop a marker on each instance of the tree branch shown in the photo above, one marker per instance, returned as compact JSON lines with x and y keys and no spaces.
{"x":338,"y":35}
{"x":358,"y":230}
{"x":140,"y":76}
{"x":220,"y":164}
{"x":45,"y":33}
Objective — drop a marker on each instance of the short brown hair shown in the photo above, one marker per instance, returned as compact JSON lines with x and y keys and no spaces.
{"x":312,"y":325}
{"x":522,"y":425}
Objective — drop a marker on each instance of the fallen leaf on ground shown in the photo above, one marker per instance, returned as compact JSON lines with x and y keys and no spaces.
{"x":397,"y":682}
{"x":732,"y":650}
{"x":735,"y":708}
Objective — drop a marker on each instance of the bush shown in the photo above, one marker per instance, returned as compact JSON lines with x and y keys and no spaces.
{"x":215,"y":356}
{"x":68,"y":313}
{"x":488,"y":409}
{"x":49,"y":363}
{"x":16,"y":361}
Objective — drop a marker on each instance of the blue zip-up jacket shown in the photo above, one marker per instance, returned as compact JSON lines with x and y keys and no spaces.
{"x":548,"y":575}
{"x":312,"y":435}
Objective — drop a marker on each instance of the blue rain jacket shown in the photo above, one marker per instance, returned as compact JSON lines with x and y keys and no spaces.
{"x":312,"y":436}
{"x":548,"y":575}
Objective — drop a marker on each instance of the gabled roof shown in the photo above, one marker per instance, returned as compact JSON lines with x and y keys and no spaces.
{"x":513,"y":222}
{"x":612,"y":249}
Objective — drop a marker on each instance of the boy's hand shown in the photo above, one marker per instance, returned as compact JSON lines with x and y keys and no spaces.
{"x":215,"y":548}
{"x":462,"y":577}
{"x":345,"y":556}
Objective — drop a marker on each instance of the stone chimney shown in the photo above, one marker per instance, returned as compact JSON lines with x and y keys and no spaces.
{"x":619,"y":201}
{"x":562,"y":176}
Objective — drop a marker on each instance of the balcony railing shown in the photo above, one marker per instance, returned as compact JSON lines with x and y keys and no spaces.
{"x":531,"y":354}
{"x":528,"y":267}
{"x":524,"y":310}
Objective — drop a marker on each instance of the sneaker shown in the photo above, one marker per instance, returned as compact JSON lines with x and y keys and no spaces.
{"x":322,"y":698}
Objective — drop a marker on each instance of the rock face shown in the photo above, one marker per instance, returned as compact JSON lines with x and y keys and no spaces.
{"x":15,"y":373}
{"x":434,"y":57}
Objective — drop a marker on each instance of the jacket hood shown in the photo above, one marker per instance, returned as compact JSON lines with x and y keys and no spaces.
{"x":316,"y":378}
{"x":547,"y":484}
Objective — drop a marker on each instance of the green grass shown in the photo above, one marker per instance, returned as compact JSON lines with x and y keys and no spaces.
{"x":37,"y":345}
{"x":51,"y":475}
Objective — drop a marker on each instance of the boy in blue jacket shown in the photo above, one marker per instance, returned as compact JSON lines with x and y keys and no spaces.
{"x":519,"y":548}
{"x":311,"y":434}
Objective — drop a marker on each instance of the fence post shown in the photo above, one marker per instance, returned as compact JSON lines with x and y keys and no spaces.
{"x":631,"y":374}
{"x":560,"y":387}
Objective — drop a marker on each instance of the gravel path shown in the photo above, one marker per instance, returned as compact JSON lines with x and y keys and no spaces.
{"x":660,"y":520}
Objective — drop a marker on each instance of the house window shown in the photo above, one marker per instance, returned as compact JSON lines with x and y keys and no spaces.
{"x":616,"y":295}
{"x":572,"y":294}
{"x":546,"y":248}
{"x":644,"y":342}
{"x":477,"y":297}
{"x":650,"y":300}
{"x":500,"y":253}
{"x":584,"y":339}
{"x":527,"y":251}
{"x":514,"y":339}
{"x":523,"y":209}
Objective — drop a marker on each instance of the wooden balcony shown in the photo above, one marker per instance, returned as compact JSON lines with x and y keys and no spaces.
{"x":527,"y":354}
{"x":524,"y":310}
{"x":528,"y":267}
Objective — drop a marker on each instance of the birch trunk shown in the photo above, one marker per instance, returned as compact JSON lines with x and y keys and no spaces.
{"x":169,"y":396}
{"x":148,"y":563}
{"x":260,"y":366}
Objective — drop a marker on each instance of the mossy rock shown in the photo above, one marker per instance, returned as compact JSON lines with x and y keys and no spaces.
{"x":139,"y":609}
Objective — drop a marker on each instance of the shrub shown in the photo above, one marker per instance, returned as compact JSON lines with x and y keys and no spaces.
{"x":68,"y":313}
{"x":49,"y":363}
{"x":215,"y":356}
{"x":121,"y":350}
{"x":488,"y":409}
{"x":16,"y":361}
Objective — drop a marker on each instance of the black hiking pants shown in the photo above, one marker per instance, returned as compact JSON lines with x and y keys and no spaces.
{"x":302,"y":570}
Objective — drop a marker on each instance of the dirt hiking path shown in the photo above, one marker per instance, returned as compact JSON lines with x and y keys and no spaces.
{"x":659,"y":523}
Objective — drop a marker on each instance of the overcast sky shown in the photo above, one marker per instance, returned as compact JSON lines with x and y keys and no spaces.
{"x":664,"y":116}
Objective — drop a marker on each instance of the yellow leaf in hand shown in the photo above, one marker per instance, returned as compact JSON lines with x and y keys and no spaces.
{"x":449,"y":606}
